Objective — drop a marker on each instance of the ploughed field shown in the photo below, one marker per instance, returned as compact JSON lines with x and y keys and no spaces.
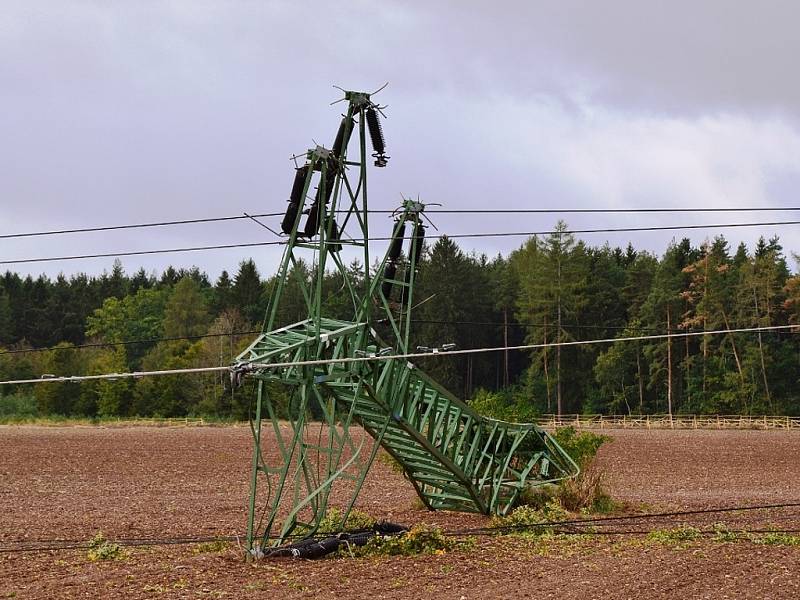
{"x":68,"y":483}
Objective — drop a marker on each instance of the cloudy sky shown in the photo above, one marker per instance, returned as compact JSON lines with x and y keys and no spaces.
{"x":129,"y":112}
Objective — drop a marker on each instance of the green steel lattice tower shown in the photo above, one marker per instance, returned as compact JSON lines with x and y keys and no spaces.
{"x":342,"y":413}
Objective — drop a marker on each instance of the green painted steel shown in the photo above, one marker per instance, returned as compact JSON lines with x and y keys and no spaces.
{"x":341,"y":414}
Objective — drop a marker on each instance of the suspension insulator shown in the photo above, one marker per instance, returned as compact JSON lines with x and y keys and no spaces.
{"x":388,"y":273}
{"x":376,"y":134}
{"x":289,"y":218}
{"x":299,"y":185}
{"x":296,"y":200}
{"x":330,"y":179}
{"x":312,"y":222}
{"x":396,"y":246}
{"x":336,"y":234}
{"x":419,"y":240}
{"x":341,"y":141}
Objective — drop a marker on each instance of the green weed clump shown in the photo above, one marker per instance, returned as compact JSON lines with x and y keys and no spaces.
{"x":776,"y":538}
{"x":529,"y":520}
{"x":101,"y":549}
{"x":210,"y":547}
{"x":420,"y":539}
{"x":676,"y":536}
{"x":723,"y":534}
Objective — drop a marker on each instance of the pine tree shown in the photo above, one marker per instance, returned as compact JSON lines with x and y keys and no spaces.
{"x":661,"y":312}
{"x":553,"y":277}
{"x":247,"y":292}
{"x":223,"y":293}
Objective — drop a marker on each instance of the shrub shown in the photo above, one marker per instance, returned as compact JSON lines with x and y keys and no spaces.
{"x":582,"y":447}
{"x":20,"y":405}
{"x":584,"y":492}
{"x":507,"y":405}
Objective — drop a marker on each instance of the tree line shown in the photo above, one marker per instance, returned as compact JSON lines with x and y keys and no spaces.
{"x":551,"y":290}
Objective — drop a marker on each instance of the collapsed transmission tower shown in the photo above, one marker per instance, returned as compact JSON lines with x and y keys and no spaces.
{"x":341,"y":413}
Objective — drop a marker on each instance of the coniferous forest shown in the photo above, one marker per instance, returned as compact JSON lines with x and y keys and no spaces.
{"x":552,"y":289}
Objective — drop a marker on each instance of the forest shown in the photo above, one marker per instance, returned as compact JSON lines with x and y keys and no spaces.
{"x":551,"y":290}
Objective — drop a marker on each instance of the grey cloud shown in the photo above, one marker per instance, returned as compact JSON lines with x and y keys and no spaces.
{"x":140,"y":111}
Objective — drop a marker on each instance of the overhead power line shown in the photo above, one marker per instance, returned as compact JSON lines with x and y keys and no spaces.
{"x":138,"y":253}
{"x":203,"y":220}
{"x":134,"y":226}
{"x":410,"y":355}
{"x":453,"y":236}
{"x":129,"y":342}
{"x":709,"y":209}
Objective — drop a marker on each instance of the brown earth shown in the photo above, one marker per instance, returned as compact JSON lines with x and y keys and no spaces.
{"x":70,"y":482}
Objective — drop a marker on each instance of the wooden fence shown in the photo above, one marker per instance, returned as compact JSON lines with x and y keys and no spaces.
{"x":669,"y":422}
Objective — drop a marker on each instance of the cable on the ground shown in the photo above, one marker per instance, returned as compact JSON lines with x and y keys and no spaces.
{"x":628,"y":518}
{"x":60,"y":544}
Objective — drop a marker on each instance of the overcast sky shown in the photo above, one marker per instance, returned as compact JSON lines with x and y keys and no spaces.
{"x":125,"y":112}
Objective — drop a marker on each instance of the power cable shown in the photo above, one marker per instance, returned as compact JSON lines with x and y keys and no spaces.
{"x":201,"y":220}
{"x":635,"y":517}
{"x":453,"y":236}
{"x":710,"y":209}
{"x":356,"y":359}
{"x":134,"y":225}
{"x":139,"y":252}
{"x":61,"y":544}
{"x":129,"y":342}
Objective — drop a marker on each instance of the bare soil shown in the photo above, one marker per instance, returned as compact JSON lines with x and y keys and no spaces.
{"x":71,"y":482}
